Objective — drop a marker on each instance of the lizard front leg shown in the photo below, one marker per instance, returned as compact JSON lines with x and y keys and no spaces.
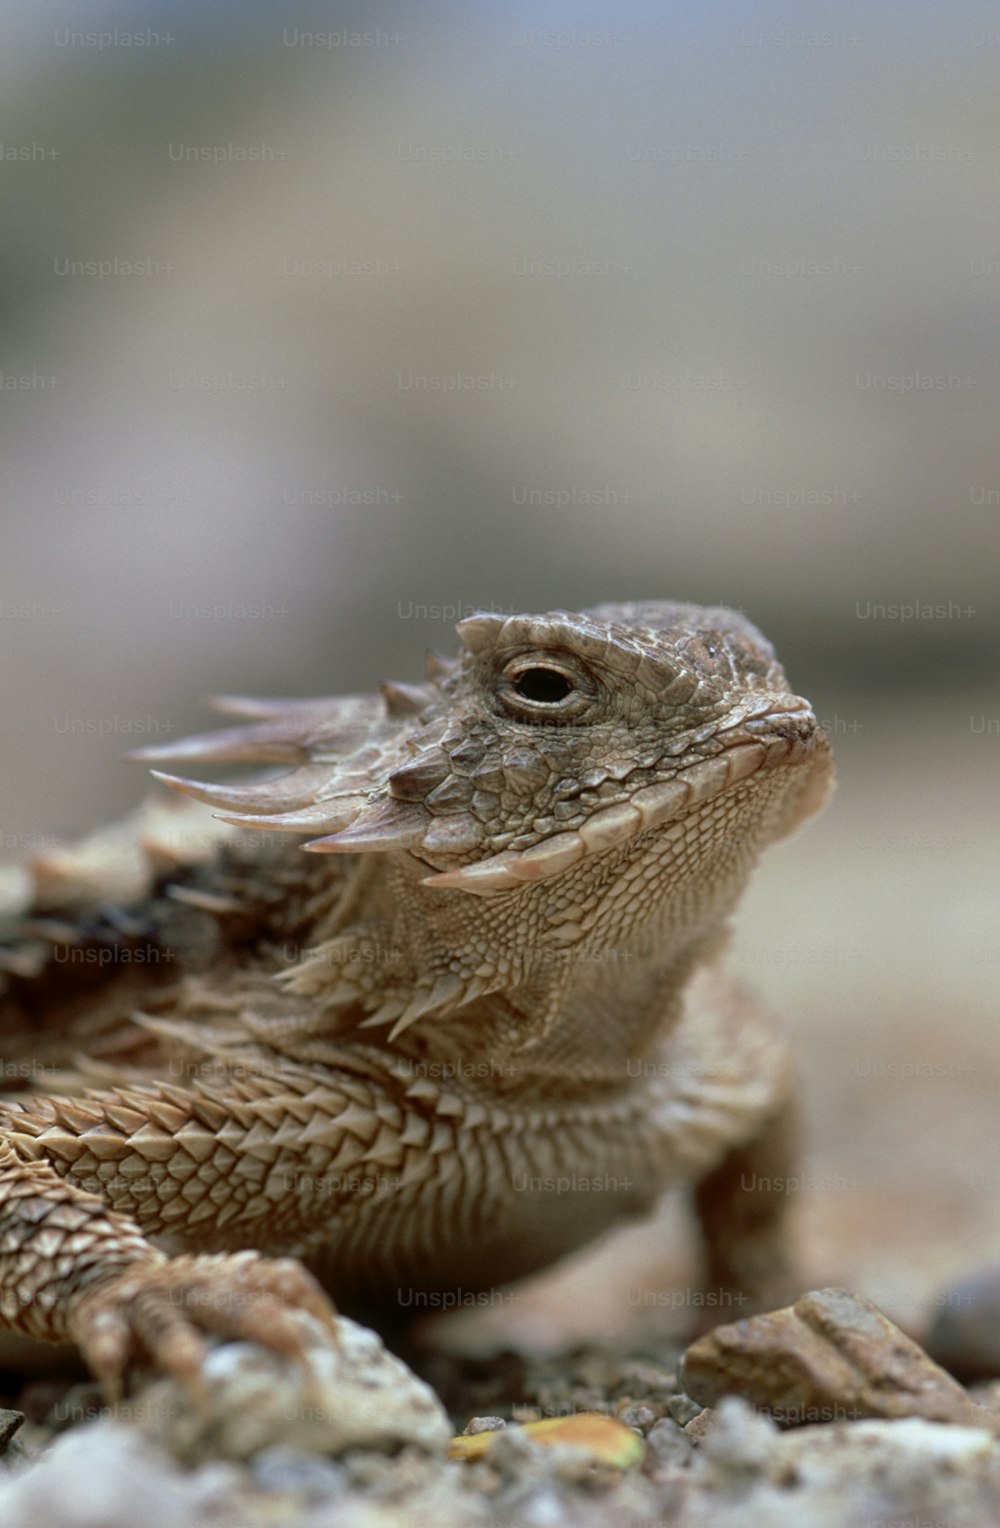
{"x":70,"y":1269}
{"x":84,"y":1184}
{"x":742,"y":1208}
{"x":737,"y":1088}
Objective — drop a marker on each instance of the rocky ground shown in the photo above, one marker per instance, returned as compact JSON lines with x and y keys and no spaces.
{"x":837,"y":1421}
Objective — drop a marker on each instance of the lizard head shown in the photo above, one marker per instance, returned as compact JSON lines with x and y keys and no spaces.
{"x":550,"y":739}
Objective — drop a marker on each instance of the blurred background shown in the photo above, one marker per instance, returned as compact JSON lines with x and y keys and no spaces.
{"x":323,"y":325}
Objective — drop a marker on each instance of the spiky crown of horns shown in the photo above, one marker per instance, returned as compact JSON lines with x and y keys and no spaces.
{"x":396,"y":771}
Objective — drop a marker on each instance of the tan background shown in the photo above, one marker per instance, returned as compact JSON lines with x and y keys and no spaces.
{"x":690,"y":257}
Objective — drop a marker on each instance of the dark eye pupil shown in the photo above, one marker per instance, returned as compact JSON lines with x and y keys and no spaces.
{"x":544,"y":685}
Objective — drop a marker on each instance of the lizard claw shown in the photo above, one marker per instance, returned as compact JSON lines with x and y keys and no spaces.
{"x":167,"y":1312}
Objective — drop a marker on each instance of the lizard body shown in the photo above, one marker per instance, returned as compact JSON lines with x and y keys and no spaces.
{"x":476,"y":1027}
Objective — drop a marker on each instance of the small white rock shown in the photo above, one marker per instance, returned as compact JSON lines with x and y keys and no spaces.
{"x":353,"y":1395}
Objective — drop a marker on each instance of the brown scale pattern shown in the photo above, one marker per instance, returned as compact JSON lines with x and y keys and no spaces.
{"x":477,"y":1028}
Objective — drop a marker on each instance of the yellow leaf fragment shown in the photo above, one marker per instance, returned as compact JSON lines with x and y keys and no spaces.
{"x":607,"y":1441}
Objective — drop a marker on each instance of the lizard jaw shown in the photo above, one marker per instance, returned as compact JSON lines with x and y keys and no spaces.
{"x":654,"y":806}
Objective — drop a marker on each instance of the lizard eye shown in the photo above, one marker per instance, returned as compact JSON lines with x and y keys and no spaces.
{"x":543,"y":685}
{"x":535,"y":688}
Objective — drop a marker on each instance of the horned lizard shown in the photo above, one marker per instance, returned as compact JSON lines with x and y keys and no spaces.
{"x":480,"y":1022}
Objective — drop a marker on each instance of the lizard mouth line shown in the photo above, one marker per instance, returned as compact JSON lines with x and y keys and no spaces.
{"x":653,"y":806}
{"x":776,"y":732}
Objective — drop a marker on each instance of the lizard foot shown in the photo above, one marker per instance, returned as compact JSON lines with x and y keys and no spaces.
{"x":166,"y":1313}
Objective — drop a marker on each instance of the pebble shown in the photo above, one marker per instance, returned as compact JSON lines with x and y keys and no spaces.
{"x":965,"y":1334}
{"x":96,"y":1477}
{"x":10,"y":1421}
{"x":682,"y":1409}
{"x":668,"y":1445}
{"x":832,"y":1356}
{"x":637,"y":1416}
{"x":354,"y":1394}
{"x":285,"y":1469}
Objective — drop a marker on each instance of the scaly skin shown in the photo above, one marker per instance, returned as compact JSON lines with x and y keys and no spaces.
{"x":477,"y":1026}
